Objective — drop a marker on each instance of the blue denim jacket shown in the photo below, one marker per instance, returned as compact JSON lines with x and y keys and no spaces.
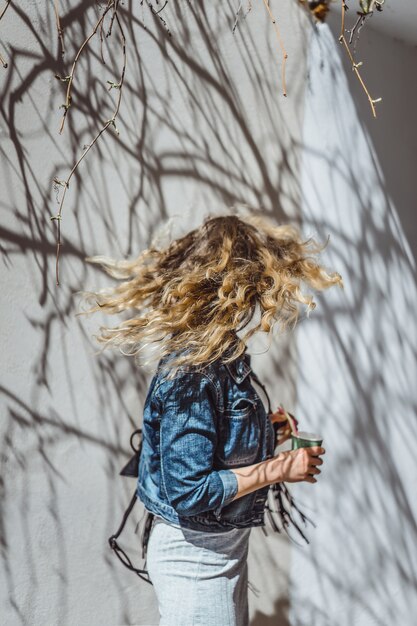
{"x":196,"y":427}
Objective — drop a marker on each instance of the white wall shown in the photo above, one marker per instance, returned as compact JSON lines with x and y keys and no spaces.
{"x":357,"y":354}
{"x":202,"y":126}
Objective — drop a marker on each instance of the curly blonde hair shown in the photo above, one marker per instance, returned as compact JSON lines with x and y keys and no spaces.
{"x":192,"y":296}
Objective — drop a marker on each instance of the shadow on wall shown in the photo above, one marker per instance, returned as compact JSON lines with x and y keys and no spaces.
{"x":358,"y":352}
{"x":188,"y":128}
{"x":278,"y":618}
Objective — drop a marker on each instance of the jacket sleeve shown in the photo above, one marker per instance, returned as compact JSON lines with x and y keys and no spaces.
{"x":188,"y":439}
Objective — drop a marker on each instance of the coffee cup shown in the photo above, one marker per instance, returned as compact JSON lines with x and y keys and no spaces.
{"x":305,"y":440}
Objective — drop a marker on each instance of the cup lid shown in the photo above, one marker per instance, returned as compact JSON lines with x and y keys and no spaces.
{"x":308,"y":436}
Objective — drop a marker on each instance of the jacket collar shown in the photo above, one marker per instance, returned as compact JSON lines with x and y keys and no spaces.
{"x":240,"y":368}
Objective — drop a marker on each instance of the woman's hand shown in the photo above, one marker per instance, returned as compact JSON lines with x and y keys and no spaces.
{"x":292,"y":467}
{"x":297,"y":465}
{"x":283,"y":430}
{"x":283,"y":433}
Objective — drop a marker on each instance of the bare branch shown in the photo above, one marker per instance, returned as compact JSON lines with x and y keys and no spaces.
{"x":355,"y":66}
{"x":68,"y":99}
{"x":115,"y":7}
{"x":156,"y":13}
{"x":281,"y":45}
{"x":111,"y":122}
{"x":59,"y":29}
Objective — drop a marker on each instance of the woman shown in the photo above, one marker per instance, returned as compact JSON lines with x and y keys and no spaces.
{"x":207,"y":459}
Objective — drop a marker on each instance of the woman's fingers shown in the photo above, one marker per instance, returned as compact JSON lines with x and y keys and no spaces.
{"x":316,"y":450}
{"x":283,"y":433}
{"x":310,"y":479}
{"x":315,"y":460}
{"x":303,"y":464}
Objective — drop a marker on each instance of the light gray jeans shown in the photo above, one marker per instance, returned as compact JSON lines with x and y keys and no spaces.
{"x":200,"y":579}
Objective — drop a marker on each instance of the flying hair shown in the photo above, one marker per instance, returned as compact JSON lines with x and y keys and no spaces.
{"x":192,"y":296}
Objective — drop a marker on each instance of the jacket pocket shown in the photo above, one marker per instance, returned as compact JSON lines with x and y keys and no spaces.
{"x":238,"y":433}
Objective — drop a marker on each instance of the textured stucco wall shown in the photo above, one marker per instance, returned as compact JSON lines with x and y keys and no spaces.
{"x":202,"y":126}
{"x":357,"y":354}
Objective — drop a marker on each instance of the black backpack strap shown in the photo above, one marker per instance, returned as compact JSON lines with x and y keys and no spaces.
{"x":132,"y":466}
{"x":120,"y":553}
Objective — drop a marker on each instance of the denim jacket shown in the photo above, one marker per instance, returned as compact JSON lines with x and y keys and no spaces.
{"x":196,"y":428}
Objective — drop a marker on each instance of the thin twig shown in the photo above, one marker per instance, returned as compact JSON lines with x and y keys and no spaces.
{"x":281,"y":45}
{"x":162,"y":8}
{"x":342,"y":24}
{"x":359,"y":24}
{"x":59,"y":29}
{"x":110,"y":122}
{"x":156,"y":13}
{"x":355,"y":66}
{"x":69,"y":79}
{"x":361,"y":18}
{"x":115,"y":7}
